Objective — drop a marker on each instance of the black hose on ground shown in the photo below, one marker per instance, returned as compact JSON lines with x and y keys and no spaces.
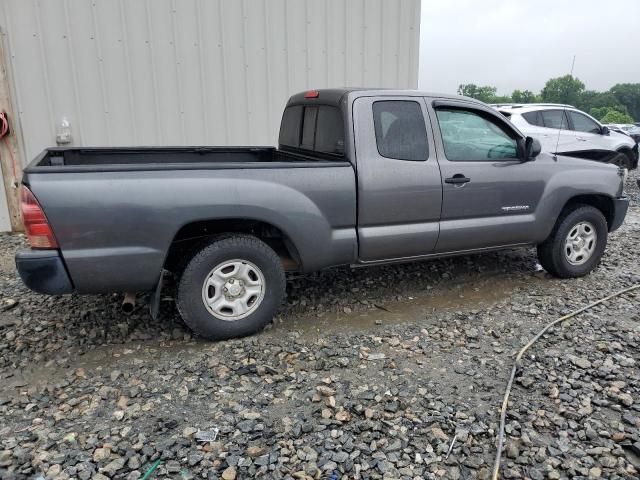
{"x":505,"y":401}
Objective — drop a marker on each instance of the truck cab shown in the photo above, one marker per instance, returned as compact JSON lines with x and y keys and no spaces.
{"x":436,"y":174}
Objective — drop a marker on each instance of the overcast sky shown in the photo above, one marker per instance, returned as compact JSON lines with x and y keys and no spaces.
{"x":522,"y":43}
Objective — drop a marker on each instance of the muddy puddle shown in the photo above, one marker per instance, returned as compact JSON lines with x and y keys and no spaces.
{"x":464,"y":295}
{"x":105,"y":358}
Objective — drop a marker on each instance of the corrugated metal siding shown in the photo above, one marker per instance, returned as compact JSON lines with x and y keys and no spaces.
{"x":172,"y":72}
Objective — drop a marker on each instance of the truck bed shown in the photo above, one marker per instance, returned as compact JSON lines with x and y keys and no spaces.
{"x":59,"y":159}
{"x":116,"y":211}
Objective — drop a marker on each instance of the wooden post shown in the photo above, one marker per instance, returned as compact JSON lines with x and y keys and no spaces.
{"x":10,"y":161}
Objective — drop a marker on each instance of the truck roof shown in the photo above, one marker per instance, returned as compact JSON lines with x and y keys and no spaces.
{"x":335,"y":96}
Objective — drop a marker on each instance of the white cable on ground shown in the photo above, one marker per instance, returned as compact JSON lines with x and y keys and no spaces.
{"x":505,"y":401}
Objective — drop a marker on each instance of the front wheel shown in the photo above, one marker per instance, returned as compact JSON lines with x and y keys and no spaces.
{"x":231,"y":288}
{"x":576,"y":243}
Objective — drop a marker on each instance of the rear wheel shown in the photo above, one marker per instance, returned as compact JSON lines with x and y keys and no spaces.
{"x":231,"y":288}
{"x":576,"y":243}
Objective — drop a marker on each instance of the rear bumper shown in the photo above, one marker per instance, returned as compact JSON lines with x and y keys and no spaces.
{"x":43,"y":271}
{"x":620,"y":207}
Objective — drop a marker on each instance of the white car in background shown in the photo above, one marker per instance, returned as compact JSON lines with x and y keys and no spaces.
{"x":565,"y":130}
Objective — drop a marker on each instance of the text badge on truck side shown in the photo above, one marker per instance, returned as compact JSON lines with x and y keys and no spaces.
{"x":360,"y":177}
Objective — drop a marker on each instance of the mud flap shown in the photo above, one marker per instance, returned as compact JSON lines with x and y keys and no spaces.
{"x":154,"y":299}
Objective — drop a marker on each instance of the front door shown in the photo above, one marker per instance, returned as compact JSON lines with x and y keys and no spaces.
{"x":588,"y":139}
{"x":489,"y":196}
{"x":399,"y":189}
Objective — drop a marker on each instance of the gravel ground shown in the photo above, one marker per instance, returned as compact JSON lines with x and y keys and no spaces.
{"x":390,"y":372}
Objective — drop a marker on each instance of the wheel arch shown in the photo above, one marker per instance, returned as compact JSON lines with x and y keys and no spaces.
{"x":604,"y":203}
{"x":629,"y":152}
{"x":193,"y":235}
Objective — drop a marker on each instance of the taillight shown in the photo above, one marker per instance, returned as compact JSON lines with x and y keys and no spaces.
{"x":36,"y":225}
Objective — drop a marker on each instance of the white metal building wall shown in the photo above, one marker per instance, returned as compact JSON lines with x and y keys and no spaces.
{"x":175,"y":72}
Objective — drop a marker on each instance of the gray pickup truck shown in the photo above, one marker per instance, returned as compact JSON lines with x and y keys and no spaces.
{"x":360,"y":177}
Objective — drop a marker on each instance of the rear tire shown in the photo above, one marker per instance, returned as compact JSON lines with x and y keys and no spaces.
{"x":231,"y":288}
{"x":576,"y":244}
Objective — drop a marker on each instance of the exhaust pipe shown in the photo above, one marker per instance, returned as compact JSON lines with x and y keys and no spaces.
{"x":128,"y":303}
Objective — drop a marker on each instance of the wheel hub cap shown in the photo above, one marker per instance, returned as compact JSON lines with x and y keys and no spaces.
{"x":580,"y":243}
{"x":233,"y":289}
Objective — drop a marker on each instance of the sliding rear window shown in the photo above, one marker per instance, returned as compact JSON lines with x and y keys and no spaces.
{"x":290,"y":126}
{"x":313,"y":128}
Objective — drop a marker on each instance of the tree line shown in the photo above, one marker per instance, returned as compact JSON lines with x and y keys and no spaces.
{"x":620,"y":104}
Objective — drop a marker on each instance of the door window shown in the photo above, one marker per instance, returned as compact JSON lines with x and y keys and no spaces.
{"x":554,"y":119}
{"x":533,"y":118}
{"x":470,"y":136}
{"x":582,"y":123}
{"x":400,"y":130}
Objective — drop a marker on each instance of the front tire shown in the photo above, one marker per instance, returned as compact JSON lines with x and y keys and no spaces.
{"x":231,"y":288}
{"x":576,"y":243}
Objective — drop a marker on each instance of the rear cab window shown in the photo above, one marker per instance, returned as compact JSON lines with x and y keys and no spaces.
{"x":313,"y":129}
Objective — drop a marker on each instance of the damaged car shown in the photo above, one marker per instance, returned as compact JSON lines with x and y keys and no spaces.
{"x":565,"y":130}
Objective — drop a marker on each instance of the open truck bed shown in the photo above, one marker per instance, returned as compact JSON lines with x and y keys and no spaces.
{"x":59,"y":159}
{"x":116,"y":211}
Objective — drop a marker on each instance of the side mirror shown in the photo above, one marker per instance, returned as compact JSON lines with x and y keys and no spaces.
{"x":605,"y":130}
{"x":531,"y":149}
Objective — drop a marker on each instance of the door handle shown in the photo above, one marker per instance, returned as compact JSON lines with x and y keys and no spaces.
{"x":581,"y":139}
{"x":457,"y":179}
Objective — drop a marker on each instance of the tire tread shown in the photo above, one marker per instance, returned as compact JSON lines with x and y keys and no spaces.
{"x":548,"y":250}
{"x":214,"y":247}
